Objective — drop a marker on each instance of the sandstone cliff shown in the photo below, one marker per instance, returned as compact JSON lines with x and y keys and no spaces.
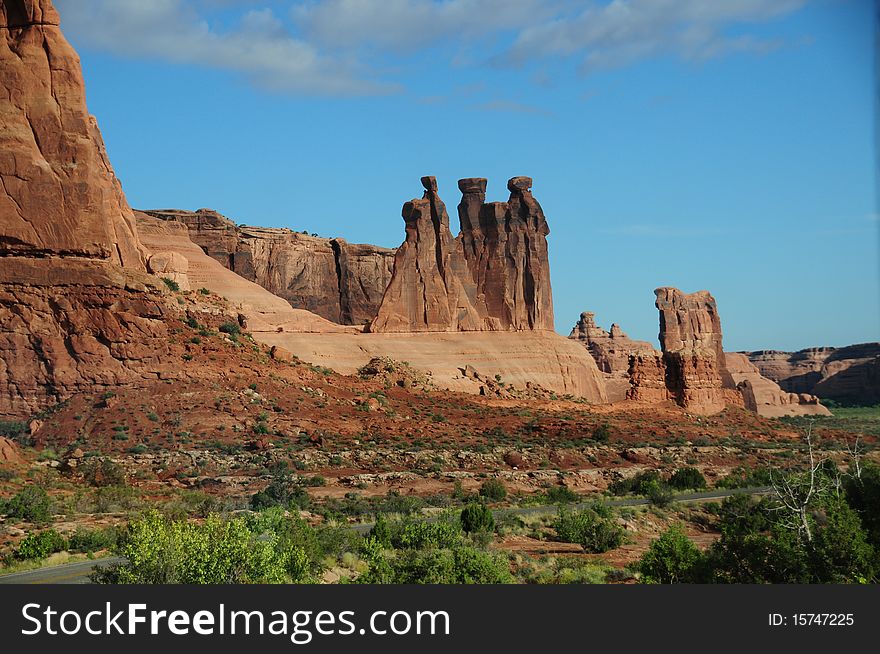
{"x":850,"y":375}
{"x":71,"y":317}
{"x":340,"y":281}
{"x":58,"y":193}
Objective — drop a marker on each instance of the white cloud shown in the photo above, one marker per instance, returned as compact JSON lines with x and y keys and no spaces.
{"x":342,"y":47}
{"x":259,"y":46}
{"x":413,"y":24}
{"x":621,"y":32}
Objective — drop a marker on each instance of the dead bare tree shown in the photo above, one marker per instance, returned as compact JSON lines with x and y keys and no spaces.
{"x":855,"y":459}
{"x":795,"y":492}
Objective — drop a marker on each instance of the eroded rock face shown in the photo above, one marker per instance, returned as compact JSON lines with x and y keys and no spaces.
{"x":494,"y":276}
{"x":505,"y":245}
{"x":690,"y":338}
{"x":764,"y":396}
{"x":71,"y":317}
{"x":612,"y":352}
{"x":431,"y":289}
{"x":59,"y":196}
{"x":647,"y":374}
{"x":848,"y":374}
{"x":170,"y":265}
{"x":340,"y":281}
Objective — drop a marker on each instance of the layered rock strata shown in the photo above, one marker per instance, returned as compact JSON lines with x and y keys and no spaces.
{"x":340,"y":281}
{"x":494,"y":276}
{"x":849,"y":375}
{"x":77,"y":309}
{"x":612,"y":351}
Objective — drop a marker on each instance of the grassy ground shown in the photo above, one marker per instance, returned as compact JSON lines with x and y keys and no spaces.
{"x":863,"y":420}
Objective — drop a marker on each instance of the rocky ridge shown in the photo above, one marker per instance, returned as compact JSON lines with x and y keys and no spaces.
{"x":340,"y":281}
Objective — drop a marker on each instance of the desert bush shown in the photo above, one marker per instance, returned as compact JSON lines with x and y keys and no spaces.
{"x":638,"y":484}
{"x":687,"y":478}
{"x":602,"y":433}
{"x":99,"y":471}
{"x":283,"y":490}
{"x":92,"y":540}
{"x":561,"y":495}
{"x":460,"y":565}
{"x":442,"y":534}
{"x":39,"y":545}
{"x":745,"y":478}
{"x":477,"y":517}
{"x":162,"y":551}
{"x":232,"y":329}
{"x":672,"y":558}
{"x":171,"y":284}
{"x":659,"y":493}
{"x":31,"y":504}
{"x":493,"y":490}
{"x":594,"y":529}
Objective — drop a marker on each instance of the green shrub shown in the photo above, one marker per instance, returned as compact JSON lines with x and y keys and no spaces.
{"x":477,"y":517}
{"x":460,"y":565}
{"x":99,"y":471}
{"x":442,"y":534}
{"x":31,"y":504}
{"x":745,"y":478}
{"x":162,"y":551}
{"x":232,"y":329}
{"x":39,"y":545}
{"x":493,"y":490}
{"x":602,"y":433}
{"x":659,"y":493}
{"x":687,"y":479}
{"x":561,"y":495}
{"x":204,"y":291}
{"x":594,"y":529}
{"x":171,"y":284}
{"x":283,"y":490}
{"x":638,"y":484}
{"x":92,"y":540}
{"x":671,"y":559}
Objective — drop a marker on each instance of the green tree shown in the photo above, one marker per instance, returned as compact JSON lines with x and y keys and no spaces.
{"x":163,"y":551}
{"x":477,"y":517}
{"x":493,"y":490}
{"x":31,"y":504}
{"x":671,"y":559}
{"x":687,"y":478}
{"x":594,"y":529}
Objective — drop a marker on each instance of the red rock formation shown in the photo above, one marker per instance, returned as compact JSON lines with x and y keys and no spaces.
{"x":505,"y":244}
{"x":340,"y":281}
{"x":850,"y":375}
{"x":58,"y":193}
{"x":494,"y":276}
{"x":690,"y":337}
{"x":763,"y":396}
{"x":647,"y":374}
{"x":612,"y":352}
{"x":71,"y":318}
{"x":430,"y":289}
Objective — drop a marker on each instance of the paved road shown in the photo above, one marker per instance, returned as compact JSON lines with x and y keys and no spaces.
{"x":67,"y":573}
{"x":78,"y":573}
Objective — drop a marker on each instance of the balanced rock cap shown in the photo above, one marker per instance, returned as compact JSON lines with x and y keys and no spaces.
{"x":430,"y":183}
{"x":472,"y":185}
{"x":521,"y":184}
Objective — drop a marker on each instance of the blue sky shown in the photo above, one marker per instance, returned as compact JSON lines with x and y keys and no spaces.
{"x":726,"y":146}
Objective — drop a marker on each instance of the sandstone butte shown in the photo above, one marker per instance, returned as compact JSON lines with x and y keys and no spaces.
{"x":693,"y":369}
{"x":83,"y":309}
